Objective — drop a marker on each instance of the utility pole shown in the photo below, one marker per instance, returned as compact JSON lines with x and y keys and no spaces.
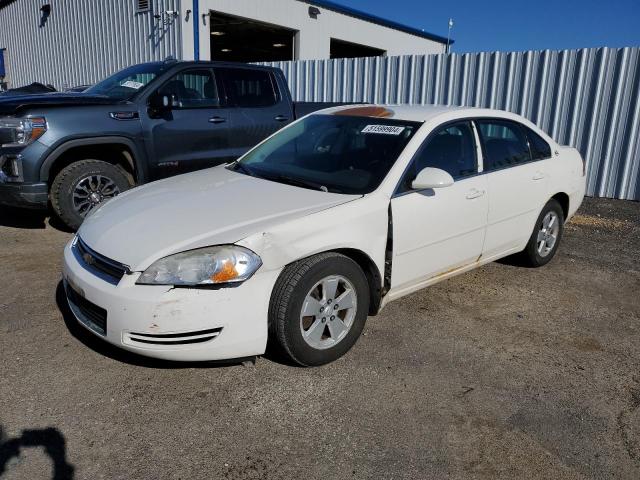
{"x":449,"y":35}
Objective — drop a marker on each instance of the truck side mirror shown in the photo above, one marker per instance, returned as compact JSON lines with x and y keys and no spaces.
{"x":159,"y":104}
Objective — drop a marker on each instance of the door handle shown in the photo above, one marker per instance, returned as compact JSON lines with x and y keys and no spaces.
{"x":474,"y":193}
{"x":281,"y":118}
{"x":217,"y":119}
{"x":538,"y":176}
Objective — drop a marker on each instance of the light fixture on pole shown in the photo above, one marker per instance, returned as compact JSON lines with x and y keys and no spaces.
{"x":449,"y":34}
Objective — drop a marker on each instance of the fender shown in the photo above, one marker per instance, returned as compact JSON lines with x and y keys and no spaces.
{"x":140,"y":165}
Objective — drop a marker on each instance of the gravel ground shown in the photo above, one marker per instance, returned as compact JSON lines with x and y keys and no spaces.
{"x":504,"y":372}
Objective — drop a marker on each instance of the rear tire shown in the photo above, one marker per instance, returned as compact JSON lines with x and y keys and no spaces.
{"x":318,"y":308}
{"x":545,"y":238}
{"x":82,"y":186}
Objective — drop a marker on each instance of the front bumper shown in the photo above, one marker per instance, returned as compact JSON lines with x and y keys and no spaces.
{"x":183,"y":324}
{"x":29,"y":195}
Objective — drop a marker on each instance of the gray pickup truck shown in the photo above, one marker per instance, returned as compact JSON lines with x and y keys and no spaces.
{"x":143,"y":123}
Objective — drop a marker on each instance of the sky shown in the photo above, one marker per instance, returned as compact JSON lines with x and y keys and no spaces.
{"x":493,"y":25}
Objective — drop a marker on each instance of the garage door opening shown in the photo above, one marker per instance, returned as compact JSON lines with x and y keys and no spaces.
{"x":342,"y":49}
{"x":237,"y":39}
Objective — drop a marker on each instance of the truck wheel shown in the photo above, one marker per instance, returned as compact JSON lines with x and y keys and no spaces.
{"x":318,"y":308}
{"x":82,"y":186}
{"x":545,"y":238}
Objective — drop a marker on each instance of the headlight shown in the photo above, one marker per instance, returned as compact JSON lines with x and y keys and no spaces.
{"x":16,"y":132}
{"x":204,"y":266}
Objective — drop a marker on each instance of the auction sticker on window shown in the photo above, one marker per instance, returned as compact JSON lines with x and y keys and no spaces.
{"x":132,"y":84}
{"x":383,"y":129}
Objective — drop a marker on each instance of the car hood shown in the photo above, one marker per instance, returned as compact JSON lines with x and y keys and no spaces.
{"x":11,"y":104}
{"x":208,"y":207}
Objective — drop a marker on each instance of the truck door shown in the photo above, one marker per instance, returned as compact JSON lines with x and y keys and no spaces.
{"x":194,"y":134}
{"x":258,"y":109}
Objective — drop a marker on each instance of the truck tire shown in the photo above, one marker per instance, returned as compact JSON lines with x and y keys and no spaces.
{"x":318,"y":308}
{"x":82,"y":186}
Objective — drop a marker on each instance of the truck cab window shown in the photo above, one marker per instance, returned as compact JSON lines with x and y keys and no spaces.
{"x":249,"y":88}
{"x":192,"y":89}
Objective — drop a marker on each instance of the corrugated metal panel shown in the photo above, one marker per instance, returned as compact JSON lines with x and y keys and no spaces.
{"x":83,"y":41}
{"x":588,"y":98}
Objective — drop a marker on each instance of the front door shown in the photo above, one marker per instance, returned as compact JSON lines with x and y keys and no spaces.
{"x":439,"y":230}
{"x":194,"y":133}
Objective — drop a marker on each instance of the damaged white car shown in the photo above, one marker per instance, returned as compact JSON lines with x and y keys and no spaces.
{"x":316,"y":228}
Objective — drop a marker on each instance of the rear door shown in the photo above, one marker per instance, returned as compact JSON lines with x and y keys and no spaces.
{"x":517,"y":185}
{"x":194,"y":134}
{"x":258,"y":109}
{"x":441,"y":229}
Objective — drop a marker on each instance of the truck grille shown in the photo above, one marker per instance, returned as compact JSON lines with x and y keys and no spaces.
{"x":106,"y":268}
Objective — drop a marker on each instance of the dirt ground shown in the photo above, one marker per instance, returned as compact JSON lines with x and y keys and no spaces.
{"x":504,"y":372}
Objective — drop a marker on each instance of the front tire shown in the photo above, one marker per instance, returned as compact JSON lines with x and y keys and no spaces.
{"x":318,"y":308}
{"x":82,"y":186}
{"x":545,"y":238}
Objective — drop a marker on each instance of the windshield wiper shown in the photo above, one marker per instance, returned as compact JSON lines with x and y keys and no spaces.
{"x":239,"y":166}
{"x":298,"y":182}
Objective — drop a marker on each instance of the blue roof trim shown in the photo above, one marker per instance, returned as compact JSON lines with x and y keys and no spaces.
{"x":336,"y":7}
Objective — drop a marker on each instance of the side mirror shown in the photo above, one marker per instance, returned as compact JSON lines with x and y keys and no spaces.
{"x":430,"y":177}
{"x":159,"y":103}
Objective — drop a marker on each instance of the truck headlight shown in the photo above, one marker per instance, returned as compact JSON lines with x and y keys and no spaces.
{"x":17,"y":132}
{"x":203,"y":266}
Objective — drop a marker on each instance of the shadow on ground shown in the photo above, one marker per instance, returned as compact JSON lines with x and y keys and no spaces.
{"x":52,"y":442}
{"x":30,"y":219}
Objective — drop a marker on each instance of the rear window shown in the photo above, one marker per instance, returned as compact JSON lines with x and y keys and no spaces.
{"x":504,"y":144}
{"x":249,"y":88}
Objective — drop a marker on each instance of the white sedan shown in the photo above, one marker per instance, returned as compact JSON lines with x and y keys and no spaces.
{"x":316,"y":228}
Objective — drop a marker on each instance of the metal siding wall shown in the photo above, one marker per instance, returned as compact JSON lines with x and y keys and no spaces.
{"x":83,"y":41}
{"x":588,"y":98}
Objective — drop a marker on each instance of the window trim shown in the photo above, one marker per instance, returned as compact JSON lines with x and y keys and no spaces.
{"x":481,"y":154}
{"x":436,"y":130}
{"x":221,"y":98}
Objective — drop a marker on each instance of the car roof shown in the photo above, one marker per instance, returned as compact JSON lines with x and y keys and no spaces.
{"x":416,"y":113}
{"x":427,"y":113}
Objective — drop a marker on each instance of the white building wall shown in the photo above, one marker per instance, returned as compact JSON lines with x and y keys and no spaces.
{"x":314,"y":35}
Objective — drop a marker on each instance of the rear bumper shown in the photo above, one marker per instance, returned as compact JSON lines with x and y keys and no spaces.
{"x":29,"y":195}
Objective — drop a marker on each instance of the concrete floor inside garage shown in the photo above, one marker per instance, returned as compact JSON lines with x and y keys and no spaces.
{"x":504,"y":372}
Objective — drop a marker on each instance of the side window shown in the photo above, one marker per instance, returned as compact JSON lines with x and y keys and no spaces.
{"x":452,"y":149}
{"x":504,"y":142}
{"x":192,"y":89}
{"x":249,"y":88}
{"x":539,"y":147}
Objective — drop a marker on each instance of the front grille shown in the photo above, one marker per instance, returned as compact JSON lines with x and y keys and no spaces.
{"x":109,"y":269}
{"x":182,"y":338}
{"x":7,"y":136}
{"x":91,"y":315}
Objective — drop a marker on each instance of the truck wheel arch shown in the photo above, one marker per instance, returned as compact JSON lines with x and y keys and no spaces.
{"x":130,"y":153}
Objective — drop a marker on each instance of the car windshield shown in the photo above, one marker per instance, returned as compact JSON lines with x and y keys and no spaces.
{"x":126,"y":83}
{"x":335,"y":153}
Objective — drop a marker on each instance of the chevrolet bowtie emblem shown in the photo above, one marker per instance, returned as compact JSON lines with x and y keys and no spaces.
{"x":88,"y":258}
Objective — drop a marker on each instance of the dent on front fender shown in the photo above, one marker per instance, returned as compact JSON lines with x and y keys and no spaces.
{"x":360,"y":225}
